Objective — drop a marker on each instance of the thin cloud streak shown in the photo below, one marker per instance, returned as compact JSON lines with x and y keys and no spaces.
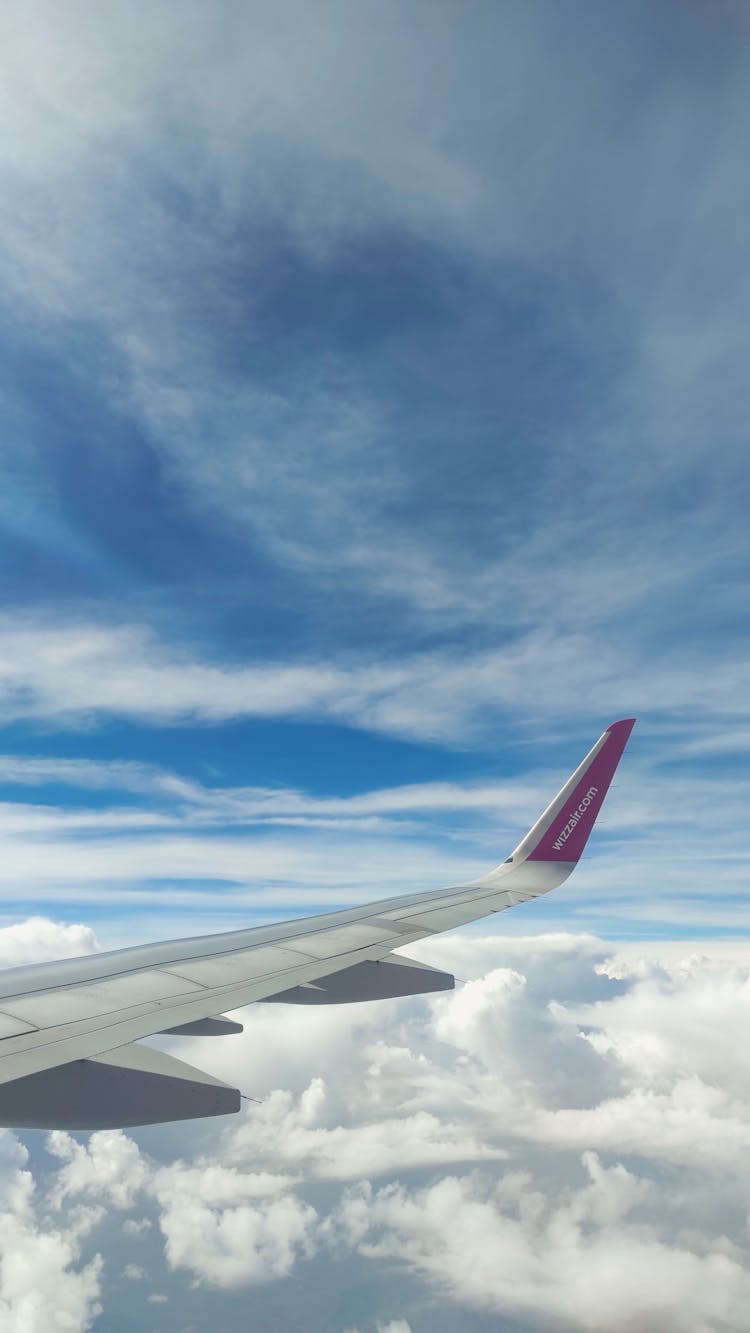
{"x":669,"y":851}
{"x":81,"y":674}
{"x":421,"y":162}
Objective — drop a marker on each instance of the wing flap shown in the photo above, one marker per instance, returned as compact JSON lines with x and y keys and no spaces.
{"x":135,"y":1085}
{"x":386,"y":979}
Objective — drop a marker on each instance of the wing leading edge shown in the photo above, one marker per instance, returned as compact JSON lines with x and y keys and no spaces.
{"x":67,"y":1028}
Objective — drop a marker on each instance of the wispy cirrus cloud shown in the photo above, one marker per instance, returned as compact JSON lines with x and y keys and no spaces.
{"x":88,"y":672}
{"x":205,"y":852}
{"x":553,"y":470}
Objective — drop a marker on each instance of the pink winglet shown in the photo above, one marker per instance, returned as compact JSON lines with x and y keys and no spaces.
{"x":568,"y":833}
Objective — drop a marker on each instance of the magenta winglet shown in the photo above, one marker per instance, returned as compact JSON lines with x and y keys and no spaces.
{"x":568,"y":833}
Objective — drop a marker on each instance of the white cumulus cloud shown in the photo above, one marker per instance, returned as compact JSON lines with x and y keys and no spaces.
{"x":560,"y":1143}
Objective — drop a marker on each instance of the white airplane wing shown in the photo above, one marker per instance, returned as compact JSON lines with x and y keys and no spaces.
{"x":69,"y":1031}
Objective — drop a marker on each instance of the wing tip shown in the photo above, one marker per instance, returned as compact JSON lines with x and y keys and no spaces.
{"x":563,"y":830}
{"x":623,"y":724}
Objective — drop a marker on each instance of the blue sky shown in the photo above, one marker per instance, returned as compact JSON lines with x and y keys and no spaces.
{"x":374,"y":430}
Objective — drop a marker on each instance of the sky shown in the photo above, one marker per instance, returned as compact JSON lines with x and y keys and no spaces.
{"x":374,"y":430}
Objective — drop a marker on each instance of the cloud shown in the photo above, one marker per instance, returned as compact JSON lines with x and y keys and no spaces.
{"x":88,"y":673}
{"x":393,"y":1326}
{"x":236,"y":1246}
{"x":580,"y":1261}
{"x":545,"y":477}
{"x":38,"y":940}
{"x":43,"y":1285}
{"x":461,"y":473}
{"x":559,"y":1143}
{"x":336,"y":1152}
{"x":91,"y":672}
{"x":241,"y":804}
{"x":110,"y":1168}
{"x":96,"y":774}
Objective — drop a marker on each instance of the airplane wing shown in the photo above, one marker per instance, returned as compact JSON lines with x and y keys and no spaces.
{"x":69,"y":1031}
